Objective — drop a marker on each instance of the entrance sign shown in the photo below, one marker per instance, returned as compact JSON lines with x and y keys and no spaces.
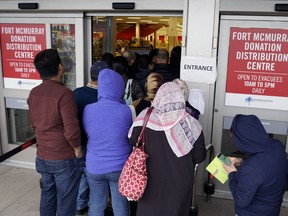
{"x":198,"y":69}
{"x":19,"y":45}
{"x":257,"y":74}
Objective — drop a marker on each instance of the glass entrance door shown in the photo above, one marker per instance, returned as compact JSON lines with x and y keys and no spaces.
{"x":21,"y":39}
{"x":138,"y":33}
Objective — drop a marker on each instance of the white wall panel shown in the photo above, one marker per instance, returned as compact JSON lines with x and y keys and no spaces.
{"x":92,"y":5}
{"x":249,"y":5}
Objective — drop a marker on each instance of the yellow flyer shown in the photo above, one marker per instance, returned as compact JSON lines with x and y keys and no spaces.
{"x":217,"y":170}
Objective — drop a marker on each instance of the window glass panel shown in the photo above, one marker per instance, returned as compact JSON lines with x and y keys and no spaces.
{"x":19,"y":126}
{"x":100,"y":37}
{"x":275,"y":130}
{"x":63,"y":39}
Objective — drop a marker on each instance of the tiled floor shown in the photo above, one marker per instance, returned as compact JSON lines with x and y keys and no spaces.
{"x":20,"y":195}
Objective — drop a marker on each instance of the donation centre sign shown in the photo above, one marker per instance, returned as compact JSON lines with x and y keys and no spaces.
{"x":257,"y":71}
{"x":19,"y":45}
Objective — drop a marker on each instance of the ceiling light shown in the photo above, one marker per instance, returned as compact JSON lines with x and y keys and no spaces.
{"x":135,"y":18}
{"x":146,"y":21}
{"x":164,"y":20}
{"x":153,"y":22}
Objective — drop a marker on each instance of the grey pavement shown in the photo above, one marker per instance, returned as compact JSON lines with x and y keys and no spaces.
{"x":20,"y":195}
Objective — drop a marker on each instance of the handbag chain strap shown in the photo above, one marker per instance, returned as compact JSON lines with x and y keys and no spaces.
{"x":141,"y":135}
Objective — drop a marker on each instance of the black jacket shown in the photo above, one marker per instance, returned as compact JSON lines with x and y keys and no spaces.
{"x":166,"y":71}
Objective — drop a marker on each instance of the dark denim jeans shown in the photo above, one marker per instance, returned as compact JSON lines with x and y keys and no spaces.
{"x":83,"y":193}
{"x":60,"y":183}
{"x":99,"y":190}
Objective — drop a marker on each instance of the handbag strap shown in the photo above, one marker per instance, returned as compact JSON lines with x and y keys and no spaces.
{"x":141,"y":135}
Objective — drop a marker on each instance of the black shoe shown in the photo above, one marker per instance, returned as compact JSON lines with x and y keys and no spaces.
{"x":108,"y":211}
{"x":82,"y":211}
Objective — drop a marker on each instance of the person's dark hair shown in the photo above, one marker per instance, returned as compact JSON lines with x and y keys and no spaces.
{"x":130,"y":56}
{"x":153,"y":52}
{"x":47,"y":62}
{"x":163,"y":54}
{"x":120,"y":65}
{"x":108,"y":58}
{"x":143,"y":61}
{"x":175,"y":58}
{"x":137,"y":55}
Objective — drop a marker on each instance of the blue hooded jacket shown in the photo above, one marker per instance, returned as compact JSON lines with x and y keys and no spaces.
{"x":106,"y":124}
{"x":259,"y":184}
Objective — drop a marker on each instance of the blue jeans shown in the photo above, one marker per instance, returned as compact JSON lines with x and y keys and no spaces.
{"x":83,"y":193}
{"x":99,"y":189}
{"x":60,"y":183}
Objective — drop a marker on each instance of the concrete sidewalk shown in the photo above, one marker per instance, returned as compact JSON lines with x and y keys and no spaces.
{"x":20,"y":195}
{"x":20,"y":192}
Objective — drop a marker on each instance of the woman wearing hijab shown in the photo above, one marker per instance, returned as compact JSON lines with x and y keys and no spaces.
{"x":106,"y":124}
{"x":259,"y":184}
{"x":174,"y":143}
{"x":153,"y":83}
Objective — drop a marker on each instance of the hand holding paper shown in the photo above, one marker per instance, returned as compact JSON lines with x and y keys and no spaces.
{"x":217,"y":170}
{"x":230,"y":168}
{"x":236,"y":161}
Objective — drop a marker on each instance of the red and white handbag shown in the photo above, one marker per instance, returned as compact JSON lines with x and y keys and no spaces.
{"x":133,"y":179}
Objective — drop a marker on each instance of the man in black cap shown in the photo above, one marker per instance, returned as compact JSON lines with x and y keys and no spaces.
{"x":86,"y":95}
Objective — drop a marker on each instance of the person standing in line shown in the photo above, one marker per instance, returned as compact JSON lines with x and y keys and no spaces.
{"x":189,"y":108}
{"x":86,"y":95}
{"x":131,"y":58}
{"x":131,"y":83}
{"x":133,"y":90}
{"x":53,"y":115}
{"x":174,"y":142}
{"x":152,"y":54}
{"x":162,"y":66}
{"x":106,"y":124}
{"x":175,"y":61}
{"x":259,"y":184}
{"x":108,"y":58}
{"x":142,"y":70}
{"x":153,"y":83}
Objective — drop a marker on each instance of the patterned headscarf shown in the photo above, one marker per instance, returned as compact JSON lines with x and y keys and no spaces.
{"x":169,"y":115}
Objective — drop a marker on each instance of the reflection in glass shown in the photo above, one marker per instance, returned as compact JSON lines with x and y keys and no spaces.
{"x":276,"y":130}
{"x":19,"y":130}
{"x":63,"y":39}
{"x":227,"y":147}
{"x":100,"y":36}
